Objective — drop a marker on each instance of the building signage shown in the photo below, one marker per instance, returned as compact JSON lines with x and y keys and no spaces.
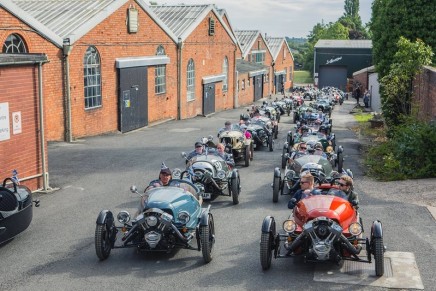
{"x":5,"y":132}
{"x":331,"y":61}
{"x":16,"y":122}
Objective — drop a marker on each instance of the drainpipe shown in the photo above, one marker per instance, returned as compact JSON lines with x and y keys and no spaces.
{"x":179,"y":77}
{"x":41,"y":132}
{"x":235,"y":80}
{"x":67,"y":50}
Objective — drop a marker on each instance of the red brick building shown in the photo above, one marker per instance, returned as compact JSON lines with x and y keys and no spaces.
{"x":283,"y":63}
{"x":22,"y":143}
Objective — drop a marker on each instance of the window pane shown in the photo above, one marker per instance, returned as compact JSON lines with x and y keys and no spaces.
{"x":92,"y":78}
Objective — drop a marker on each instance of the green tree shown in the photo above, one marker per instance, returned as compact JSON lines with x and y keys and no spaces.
{"x":397,"y":84}
{"x":351,"y":20}
{"x":394,"y":18}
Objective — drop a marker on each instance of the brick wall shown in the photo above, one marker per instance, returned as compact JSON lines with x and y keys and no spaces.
{"x":19,"y":88}
{"x":283,"y":62}
{"x":246,"y":93}
{"x":424,"y":93}
{"x":208,"y":53}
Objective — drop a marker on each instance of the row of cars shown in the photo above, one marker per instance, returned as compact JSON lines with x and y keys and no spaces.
{"x":325,"y":227}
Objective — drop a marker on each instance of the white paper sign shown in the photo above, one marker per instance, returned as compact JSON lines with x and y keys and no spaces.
{"x":16,"y":122}
{"x":5,"y":131}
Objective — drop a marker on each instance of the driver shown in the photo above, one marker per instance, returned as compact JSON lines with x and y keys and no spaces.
{"x":346,"y":185}
{"x":199,"y":150}
{"x":227,"y":127}
{"x":301,"y":150}
{"x":306,"y":190}
{"x":165,"y":177}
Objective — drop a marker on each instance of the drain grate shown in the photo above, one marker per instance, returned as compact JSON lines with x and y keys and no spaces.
{"x":355,"y":268}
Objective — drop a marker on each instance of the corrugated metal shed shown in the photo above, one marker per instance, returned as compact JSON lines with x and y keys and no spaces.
{"x":340,"y":43}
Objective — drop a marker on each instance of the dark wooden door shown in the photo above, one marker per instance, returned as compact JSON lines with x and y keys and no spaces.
{"x":208,"y":98}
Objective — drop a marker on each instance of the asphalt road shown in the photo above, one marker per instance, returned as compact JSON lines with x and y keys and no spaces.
{"x":57,"y":251}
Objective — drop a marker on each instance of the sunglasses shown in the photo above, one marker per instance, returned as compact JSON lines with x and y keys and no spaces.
{"x":303,"y":182}
{"x":342,"y":184}
{"x":303,"y":148}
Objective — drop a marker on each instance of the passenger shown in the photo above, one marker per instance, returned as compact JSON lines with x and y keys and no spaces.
{"x":306,"y":190}
{"x":247,"y":134}
{"x":199,"y":150}
{"x":225,"y":156}
{"x":301,"y":150}
{"x":346,"y":185}
{"x":319,"y":150}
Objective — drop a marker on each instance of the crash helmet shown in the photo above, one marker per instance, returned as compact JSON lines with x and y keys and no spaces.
{"x":318,"y":146}
{"x":310,"y":147}
{"x":304,"y":129}
{"x":323,"y":129}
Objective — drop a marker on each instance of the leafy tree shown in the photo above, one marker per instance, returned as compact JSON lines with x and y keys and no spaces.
{"x":394,"y":18}
{"x":351,"y":20}
{"x":397,"y":84}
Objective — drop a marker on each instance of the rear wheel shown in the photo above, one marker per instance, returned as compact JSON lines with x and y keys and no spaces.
{"x":247,"y":155}
{"x":266,"y":241}
{"x":276,"y":131}
{"x":270,"y":143}
{"x":207,"y":237}
{"x":276,"y":189}
{"x":379,"y":256}
{"x":251,"y":151}
{"x":103,"y":245}
{"x":235,"y":182}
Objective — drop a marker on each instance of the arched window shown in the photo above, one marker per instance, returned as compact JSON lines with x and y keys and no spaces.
{"x":190,"y":80}
{"x":160,"y":74}
{"x":92,"y":78}
{"x":226,"y":73}
{"x":14,"y":44}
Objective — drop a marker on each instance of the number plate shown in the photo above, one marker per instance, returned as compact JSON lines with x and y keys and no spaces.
{"x":205,"y":195}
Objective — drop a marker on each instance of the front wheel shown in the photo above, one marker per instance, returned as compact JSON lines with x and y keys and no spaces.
{"x":235,"y":183}
{"x":103,"y":245}
{"x":340,"y":162}
{"x":276,"y":131}
{"x":276,"y":189}
{"x":379,"y":256}
{"x":247,"y":155}
{"x":266,"y":241}
{"x":284,"y":160}
{"x":207,"y":237}
{"x":251,"y":151}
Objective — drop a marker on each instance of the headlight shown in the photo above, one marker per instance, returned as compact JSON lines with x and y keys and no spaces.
{"x":289,"y":226}
{"x":184,"y":217}
{"x":355,"y":228}
{"x":221,"y":174}
{"x":329,"y":149}
{"x":123,"y":217}
{"x":151,"y":220}
{"x":176,"y":173}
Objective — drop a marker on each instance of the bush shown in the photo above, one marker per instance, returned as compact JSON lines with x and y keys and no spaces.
{"x":409,"y":154}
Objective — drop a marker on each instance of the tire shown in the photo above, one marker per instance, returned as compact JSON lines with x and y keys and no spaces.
{"x":340,"y":162}
{"x":284,"y":151}
{"x":235,"y":190}
{"x":207,"y":237}
{"x":251,"y":151}
{"x":276,"y":131}
{"x":295,"y":117}
{"x":247,"y":156}
{"x":270,"y":143}
{"x":103,"y":246}
{"x":276,"y":189}
{"x":266,"y":240}
{"x":379,"y":256}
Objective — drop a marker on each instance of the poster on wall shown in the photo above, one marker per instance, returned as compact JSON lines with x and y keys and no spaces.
{"x":16,"y":122}
{"x":5,"y":133}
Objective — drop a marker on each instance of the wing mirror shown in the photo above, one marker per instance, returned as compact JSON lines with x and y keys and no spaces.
{"x":183,"y":154}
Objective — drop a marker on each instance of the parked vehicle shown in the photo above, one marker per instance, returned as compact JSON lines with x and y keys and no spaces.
{"x":168,"y":218}
{"x":237,"y":144}
{"x":261,"y":133}
{"x":322,"y":228}
{"x":16,"y":208}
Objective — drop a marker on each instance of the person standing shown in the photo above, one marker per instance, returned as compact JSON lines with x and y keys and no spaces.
{"x":366,"y":98}
{"x":357,"y":92}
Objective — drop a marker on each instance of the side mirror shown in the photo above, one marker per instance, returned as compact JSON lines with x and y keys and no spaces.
{"x":133,"y":189}
{"x":210,"y":138}
{"x":183,"y":154}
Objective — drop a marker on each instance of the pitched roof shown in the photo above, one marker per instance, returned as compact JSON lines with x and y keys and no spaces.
{"x":58,"y":19}
{"x":275,"y":45}
{"x":183,"y":19}
{"x":343,"y":43}
{"x":247,"y":39}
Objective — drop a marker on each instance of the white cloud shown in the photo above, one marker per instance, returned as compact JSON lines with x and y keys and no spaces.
{"x":293,"y":18}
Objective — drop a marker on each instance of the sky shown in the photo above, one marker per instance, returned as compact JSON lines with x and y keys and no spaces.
{"x":280,"y":18}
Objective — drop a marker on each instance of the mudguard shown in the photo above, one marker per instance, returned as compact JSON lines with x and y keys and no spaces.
{"x":235,"y":173}
{"x":286,"y":145}
{"x":269,"y":225}
{"x":376,"y":229}
{"x":277,"y":172}
{"x":204,"y":219}
{"x":105,"y":217}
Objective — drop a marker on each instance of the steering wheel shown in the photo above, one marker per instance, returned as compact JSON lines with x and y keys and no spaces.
{"x":332,"y":181}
